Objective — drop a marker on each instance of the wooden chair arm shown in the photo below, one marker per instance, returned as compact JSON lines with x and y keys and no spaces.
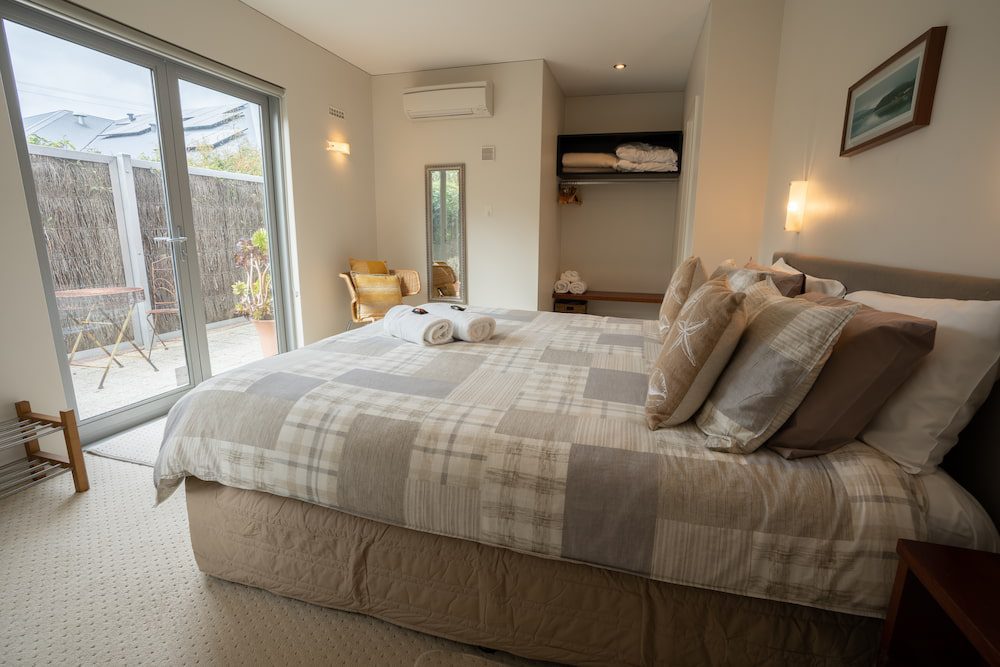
{"x":354,"y":296}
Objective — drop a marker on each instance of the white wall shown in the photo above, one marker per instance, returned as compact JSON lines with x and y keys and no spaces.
{"x":503,"y":246}
{"x":331,"y":196}
{"x":622,"y":237}
{"x":734,"y":74}
{"x":926,"y":200}
{"x":549,"y":223}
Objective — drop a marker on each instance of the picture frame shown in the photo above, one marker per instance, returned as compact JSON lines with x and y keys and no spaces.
{"x":896,"y":97}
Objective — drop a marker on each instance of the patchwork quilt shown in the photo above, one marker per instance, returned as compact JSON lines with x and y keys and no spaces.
{"x":536,"y":441}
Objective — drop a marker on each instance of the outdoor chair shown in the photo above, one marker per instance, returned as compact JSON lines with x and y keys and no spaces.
{"x":162,"y":294}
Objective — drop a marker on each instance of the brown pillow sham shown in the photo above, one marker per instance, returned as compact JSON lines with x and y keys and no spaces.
{"x":876,"y":353}
{"x":688,"y":277}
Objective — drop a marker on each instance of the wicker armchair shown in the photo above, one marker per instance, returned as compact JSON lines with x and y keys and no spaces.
{"x":409,"y":284}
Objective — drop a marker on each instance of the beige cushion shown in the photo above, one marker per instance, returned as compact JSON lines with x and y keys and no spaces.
{"x":368,"y":266}
{"x":697,"y":348}
{"x":376,"y":294}
{"x":776,"y":363}
{"x":688,"y":277}
{"x":876,"y":353}
{"x":788,"y":284}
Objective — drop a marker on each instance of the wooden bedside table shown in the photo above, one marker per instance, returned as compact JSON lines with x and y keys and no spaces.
{"x":945,"y":607}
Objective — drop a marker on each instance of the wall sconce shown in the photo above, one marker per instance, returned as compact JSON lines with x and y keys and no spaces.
{"x":796,"y":206}
{"x":339,"y":147}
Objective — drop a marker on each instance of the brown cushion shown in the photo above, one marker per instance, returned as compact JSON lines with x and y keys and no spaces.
{"x":686,"y":279}
{"x":875,"y":354}
{"x":697,"y":348}
{"x":368,"y":265}
{"x":377,"y":293}
{"x":740,"y":279}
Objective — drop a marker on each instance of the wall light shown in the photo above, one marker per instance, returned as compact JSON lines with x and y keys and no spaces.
{"x":339,"y":147}
{"x":619,"y":66}
{"x":796,"y":206}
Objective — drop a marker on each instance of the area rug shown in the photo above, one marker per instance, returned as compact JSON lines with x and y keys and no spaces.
{"x":138,"y":445}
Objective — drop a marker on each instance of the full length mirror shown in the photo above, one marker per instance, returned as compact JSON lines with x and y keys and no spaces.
{"x":445,"y":191}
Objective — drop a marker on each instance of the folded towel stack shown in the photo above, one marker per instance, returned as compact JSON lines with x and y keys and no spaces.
{"x":642,"y":157}
{"x":587,"y":162}
{"x":468,"y":326}
{"x":426,"y":329}
{"x":570,"y":282}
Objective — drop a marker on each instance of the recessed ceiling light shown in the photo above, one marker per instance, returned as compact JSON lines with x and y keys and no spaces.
{"x":619,"y":66}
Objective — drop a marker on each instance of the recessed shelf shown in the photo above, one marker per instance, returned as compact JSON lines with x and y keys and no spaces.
{"x":607,"y":143}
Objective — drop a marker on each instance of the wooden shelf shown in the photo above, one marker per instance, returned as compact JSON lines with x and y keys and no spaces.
{"x":607,"y":143}
{"x":595,"y":295}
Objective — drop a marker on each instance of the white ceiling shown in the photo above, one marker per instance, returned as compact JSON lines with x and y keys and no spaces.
{"x":580,"y":39}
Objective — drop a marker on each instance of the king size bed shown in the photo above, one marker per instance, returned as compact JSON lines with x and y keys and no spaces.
{"x":509,"y":494}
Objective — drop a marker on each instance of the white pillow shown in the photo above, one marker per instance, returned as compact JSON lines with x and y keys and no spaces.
{"x":827,"y":286}
{"x":920,"y":423}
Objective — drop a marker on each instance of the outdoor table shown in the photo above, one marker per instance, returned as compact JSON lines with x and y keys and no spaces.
{"x":97,"y":302}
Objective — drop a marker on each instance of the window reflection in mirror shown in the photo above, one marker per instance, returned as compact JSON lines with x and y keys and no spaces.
{"x":446,"y":257}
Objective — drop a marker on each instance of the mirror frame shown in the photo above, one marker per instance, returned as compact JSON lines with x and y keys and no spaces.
{"x":463,"y":277}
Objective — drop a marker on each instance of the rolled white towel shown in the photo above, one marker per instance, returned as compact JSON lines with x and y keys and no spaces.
{"x":561,"y":286}
{"x":570,"y":276}
{"x":412,"y":327}
{"x":577,"y":287}
{"x":469,"y":326}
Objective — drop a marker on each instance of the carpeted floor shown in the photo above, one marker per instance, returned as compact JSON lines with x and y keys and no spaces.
{"x":138,"y":445}
{"x":104,"y":577}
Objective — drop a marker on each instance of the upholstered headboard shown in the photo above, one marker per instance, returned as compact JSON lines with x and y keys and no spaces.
{"x":975,"y":461}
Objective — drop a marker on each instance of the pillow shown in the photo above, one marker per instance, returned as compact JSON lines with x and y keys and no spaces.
{"x":920,"y":423}
{"x":875,"y":354}
{"x":377,"y":293}
{"x":368,"y":266}
{"x":827,"y":286}
{"x":741,"y":279}
{"x":694,"y":354}
{"x":774,"y":366}
{"x":686,"y":279}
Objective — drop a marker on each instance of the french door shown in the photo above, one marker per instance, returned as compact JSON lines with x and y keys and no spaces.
{"x":152,"y":190}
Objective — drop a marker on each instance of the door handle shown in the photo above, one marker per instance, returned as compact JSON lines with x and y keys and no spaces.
{"x":170,"y":239}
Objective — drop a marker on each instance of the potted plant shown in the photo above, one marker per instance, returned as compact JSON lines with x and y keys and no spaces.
{"x":254,"y":291}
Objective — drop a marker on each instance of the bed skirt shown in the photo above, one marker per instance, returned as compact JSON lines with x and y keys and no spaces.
{"x":489,"y":596}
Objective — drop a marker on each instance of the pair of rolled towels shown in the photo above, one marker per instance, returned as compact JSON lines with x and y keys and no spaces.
{"x":440,"y":324}
{"x":570,"y":282}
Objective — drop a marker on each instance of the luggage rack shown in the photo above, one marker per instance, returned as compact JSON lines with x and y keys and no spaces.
{"x":38,"y":465}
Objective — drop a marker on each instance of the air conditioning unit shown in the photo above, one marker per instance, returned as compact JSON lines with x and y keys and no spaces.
{"x":453,"y":100}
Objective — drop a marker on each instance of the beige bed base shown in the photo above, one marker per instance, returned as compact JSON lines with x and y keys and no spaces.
{"x":488,"y":596}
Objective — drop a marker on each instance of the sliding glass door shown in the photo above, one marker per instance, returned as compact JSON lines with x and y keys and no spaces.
{"x":152,"y":195}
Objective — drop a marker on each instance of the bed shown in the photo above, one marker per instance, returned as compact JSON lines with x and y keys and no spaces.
{"x":509,"y":495}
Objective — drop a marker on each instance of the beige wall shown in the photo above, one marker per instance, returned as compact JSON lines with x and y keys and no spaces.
{"x":331,"y":197}
{"x":549,"y":225}
{"x":734,"y":74}
{"x":927,"y":200}
{"x":502,"y":196}
{"x":621,"y":238}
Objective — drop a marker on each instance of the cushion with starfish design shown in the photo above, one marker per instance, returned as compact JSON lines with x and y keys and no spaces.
{"x":686,"y":279}
{"x":697,"y":347}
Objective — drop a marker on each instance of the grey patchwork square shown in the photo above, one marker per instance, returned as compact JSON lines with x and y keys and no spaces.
{"x":625,"y":340}
{"x":451,"y":367}
{"x":616,"y":386}
{"x":233,"y":416}
{"x":400,"y":384}
{"x":374,"y":466}
{"x":287,"y":386}
{"x":566,"y":357}
{"x":611,"y":502}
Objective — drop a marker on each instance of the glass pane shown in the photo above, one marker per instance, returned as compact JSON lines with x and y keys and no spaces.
{"x":93,"y":143}
{"x":446,"y":235}
{"x":223,"y":139}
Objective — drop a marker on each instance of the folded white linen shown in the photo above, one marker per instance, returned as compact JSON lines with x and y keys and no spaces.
{"x":570,"y":276}
{"x":578,"y":287}
{"x":561,"y":286}
{"x":642,"y":152}
{"x":428,"y":329}
{"x":638,"y":167}
{"x":468,"y":326}
{"x":589,"y":160}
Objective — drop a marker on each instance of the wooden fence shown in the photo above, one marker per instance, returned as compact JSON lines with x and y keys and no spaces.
{"x":101,"y":214}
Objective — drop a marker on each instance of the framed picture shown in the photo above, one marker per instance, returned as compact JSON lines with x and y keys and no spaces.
{"x":896,"y":97}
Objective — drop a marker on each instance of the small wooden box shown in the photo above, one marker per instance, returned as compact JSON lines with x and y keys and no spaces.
{"x":570,"y":306}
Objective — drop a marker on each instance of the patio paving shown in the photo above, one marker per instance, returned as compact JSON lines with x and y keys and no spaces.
{"x":230,"y":344}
